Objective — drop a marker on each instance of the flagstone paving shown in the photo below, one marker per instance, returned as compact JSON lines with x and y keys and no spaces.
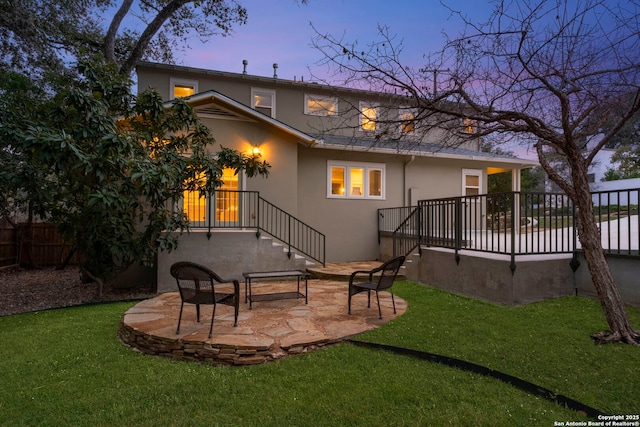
{"x":269,"y":331}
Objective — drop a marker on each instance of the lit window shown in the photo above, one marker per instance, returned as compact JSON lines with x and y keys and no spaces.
{"x":264,"y":100}
{"x":227,"y":197}
{"x":195,"y":205}
{"x":180,"y":88}
{"x":468,"y":126}
{"x":471,"y":182}
{"x":407,"y":122}
{"x":182,"y":91}
{"x":320,"y":105}
{"x":375,"y":182}
{"x":226,"y":201}
{"x":337,"y":181}
{"x":368,"y":117}
{"x":354,"y":180}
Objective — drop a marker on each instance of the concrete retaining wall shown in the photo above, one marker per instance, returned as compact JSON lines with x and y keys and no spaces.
{"x":536,"y":277}
{"x":229,"y":254}
{"x":489,"y":277}
{"x":626,"y":274}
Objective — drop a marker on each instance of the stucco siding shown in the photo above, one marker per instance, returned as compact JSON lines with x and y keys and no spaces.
{"x":299,"y":175}
{"x":277,"y":148}
{"x":350,"y":225}
{"x":435,"y":178}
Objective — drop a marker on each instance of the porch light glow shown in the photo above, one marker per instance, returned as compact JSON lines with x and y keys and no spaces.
{"x":255,"y":150}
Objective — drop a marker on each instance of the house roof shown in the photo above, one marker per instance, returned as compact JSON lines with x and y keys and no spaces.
{"x":297,"y":83}
{"x":414,"y":148}
{"x":214,"y":104}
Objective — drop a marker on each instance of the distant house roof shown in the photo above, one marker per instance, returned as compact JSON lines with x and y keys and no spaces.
{"x":422,"y":149}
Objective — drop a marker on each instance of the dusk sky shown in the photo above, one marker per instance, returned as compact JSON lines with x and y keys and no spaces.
{"x":280,"y":32}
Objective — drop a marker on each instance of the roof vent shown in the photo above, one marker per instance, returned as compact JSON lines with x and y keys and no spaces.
{"x":244,"y":66}
{"x":275,"y":71}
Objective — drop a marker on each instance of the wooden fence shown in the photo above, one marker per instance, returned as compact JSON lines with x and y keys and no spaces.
{"x":40,"y":245}
{"x":8,"y":245}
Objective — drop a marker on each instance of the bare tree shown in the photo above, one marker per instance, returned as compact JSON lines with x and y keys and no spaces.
{"x":553,"y":71}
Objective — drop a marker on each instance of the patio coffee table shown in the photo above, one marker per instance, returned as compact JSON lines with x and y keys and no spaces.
{"x":249,"y":277}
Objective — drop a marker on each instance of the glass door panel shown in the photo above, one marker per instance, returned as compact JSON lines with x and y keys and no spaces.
{"x":227,"y":199}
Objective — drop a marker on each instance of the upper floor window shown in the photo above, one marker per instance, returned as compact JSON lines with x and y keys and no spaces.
{"x":351,"y":180}
{"x":264,"y":100}
{"x":320,"y":105}
{"x":469,"y":126}
{"x":368,"y":117}
{"x":180,"y":88}
{"x":407,"y":122}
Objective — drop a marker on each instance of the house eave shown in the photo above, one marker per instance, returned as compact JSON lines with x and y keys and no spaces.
{"x":522,"y":163}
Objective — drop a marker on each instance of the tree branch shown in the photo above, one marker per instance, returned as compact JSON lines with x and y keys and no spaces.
{"x":149,"y":32}
{"x":112,"y":32}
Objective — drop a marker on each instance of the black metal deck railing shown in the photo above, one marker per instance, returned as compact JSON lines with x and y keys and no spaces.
{"x":227,"y":209}
{"x":512,"y":223}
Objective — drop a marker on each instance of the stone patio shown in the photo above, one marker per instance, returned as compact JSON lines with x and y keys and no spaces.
{"x":270,"y":331}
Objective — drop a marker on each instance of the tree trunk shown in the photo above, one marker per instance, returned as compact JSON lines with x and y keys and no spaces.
{"x":25,"y":240}
{"x":67,"y":259}
{"x":87,"y":276}
{"x":149,"y":32}
{"x":620,"y":329}
{"x":112,"y":32}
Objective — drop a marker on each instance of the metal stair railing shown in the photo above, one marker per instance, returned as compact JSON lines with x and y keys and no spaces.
{"x":291,"y":231}
{"x":229,"y":209}
{"x":406,"y":237}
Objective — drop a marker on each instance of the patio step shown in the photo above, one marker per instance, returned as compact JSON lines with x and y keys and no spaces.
{"x":301,"y":262}
{"x":341,"y":271}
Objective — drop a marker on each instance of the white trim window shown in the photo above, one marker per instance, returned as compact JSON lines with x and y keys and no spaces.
{"x":264,"y":100}
{"x":407,"y":117}
{"x":181,"y":88}
{"x":355,"y":180}
{"x":469,"y":126}
{"x":471,"y":182}
{"x":317,"y":105}
{"x":369,"y":115}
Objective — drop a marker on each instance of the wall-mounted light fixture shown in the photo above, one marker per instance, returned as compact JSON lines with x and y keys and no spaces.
{"x":255,"y":150}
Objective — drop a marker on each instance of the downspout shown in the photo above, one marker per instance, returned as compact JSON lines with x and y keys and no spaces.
{"x":404,"y":180}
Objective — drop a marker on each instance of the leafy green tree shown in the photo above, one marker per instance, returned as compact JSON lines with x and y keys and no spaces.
{"x":39,"y":37}
{"x":111,"y":167}
{"x":627,"y":161}
{"x":20,"y":100}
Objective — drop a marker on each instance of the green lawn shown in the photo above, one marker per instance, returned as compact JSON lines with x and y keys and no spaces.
{"x":67,"y":368}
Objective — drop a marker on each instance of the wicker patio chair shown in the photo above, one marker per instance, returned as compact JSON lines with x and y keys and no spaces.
{"x":382,"y":282}
{"x":197,"y":286}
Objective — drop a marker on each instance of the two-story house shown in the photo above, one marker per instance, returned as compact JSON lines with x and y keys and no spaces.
{"x":337,"y":155}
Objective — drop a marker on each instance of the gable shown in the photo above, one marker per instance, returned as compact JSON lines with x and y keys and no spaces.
{"x":212,"y":104}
